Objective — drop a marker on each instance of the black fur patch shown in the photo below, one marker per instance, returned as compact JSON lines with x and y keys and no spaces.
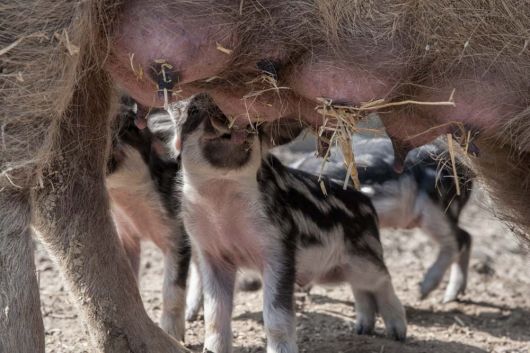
{"x":217,"y":150}
{"x":281,"y":204}
{"x":184,"y":256}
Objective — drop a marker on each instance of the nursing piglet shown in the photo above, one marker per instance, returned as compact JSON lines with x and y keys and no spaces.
{"x":243,"y":209}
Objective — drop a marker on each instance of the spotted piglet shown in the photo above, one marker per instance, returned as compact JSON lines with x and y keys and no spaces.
{"x":142,"y":182}
{"x":243,"y":209}
{"x":145,"y":205}
{"x":423,"y":196}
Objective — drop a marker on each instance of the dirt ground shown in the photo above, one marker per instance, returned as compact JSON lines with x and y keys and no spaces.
{"x":493,"y":316}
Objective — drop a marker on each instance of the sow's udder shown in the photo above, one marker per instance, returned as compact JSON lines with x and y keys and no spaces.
{"x":265,"y":65}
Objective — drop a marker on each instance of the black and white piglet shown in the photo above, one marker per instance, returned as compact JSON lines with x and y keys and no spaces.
{"x":145,"y":204}
{"x":423,"y":196}
{"x":143,"y":184}
{"x":242,"y":208}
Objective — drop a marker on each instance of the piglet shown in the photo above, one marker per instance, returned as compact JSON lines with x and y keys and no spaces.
{"x":243,"y":209}
{"x":423,"y":196}
{"x":143,"y":184}
{"x":145,"y":205}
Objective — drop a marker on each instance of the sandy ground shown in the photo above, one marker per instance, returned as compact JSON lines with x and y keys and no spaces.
{"x":494,"y":315}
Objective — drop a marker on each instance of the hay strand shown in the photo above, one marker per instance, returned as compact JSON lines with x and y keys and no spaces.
{"x":450,"y":147}
{"x":342,"y":121}
{"x":72,"y":48}
{"x":223,"y":49}
{"x":323,"y":188}
{"x":140,"y":73}
{"x":264,"y":80}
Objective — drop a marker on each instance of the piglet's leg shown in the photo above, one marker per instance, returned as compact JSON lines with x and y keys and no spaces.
{"x":366,"y":308}
{"x":219,"y":280}
{"x":194,"y":295}
{"x":278,"y":305}
{"x":176,"y":264}
{"x":372,"y":287}
{"x":436,"y":224}
{"x":459,"y":269}
{"x":391,"y":310}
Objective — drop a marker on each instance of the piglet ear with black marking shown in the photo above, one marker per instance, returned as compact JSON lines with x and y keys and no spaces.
{"x":281,"y":131}
{"x":164,"y":129}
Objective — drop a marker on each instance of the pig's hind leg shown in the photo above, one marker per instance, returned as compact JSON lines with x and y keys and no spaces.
{"x":373,"y":290}
{"x":176,"y":265}
{"x":194,"y":297}
{"x":436,"y":224}
{"x":365,"y":308}
{"x":459,"y":269}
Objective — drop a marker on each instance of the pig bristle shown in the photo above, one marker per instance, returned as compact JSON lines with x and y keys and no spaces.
{"x":65,"y":38}
{"x":51,"y":51}
{"x":7,"y":48}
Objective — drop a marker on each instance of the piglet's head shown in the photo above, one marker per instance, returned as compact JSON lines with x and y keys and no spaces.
{"x":205,"y":136}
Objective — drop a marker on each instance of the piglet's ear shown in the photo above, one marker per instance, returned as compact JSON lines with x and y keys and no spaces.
{"x":164,"y":129}
{"x":281,"y":131}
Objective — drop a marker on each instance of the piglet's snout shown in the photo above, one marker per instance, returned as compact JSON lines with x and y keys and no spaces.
{"x":239,"y":136}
